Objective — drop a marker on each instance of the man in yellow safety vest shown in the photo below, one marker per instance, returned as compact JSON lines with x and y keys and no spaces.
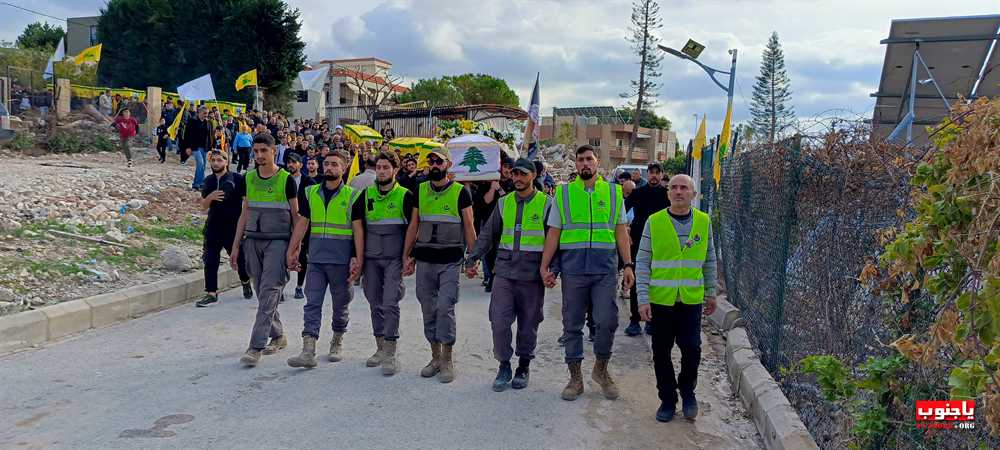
{"x":675,"y":273}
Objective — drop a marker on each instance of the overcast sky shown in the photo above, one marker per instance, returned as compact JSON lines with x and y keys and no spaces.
{"x":831,"y":48}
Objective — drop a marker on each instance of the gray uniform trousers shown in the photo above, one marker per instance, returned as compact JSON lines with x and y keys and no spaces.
{"x":319,"y":276}
{"x":437,"y":292}
{"x":577,"y":292}
{"x":383,"y":286}
{"x":265,"y":260}
{"x":518,"y":299}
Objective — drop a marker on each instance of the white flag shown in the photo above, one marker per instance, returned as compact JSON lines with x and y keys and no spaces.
{"x":59,"y":55}
{"x":313,"y":80}
{"x":197,"y":89}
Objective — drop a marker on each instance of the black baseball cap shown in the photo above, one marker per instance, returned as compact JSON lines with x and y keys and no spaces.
{"x":655,"y":166}
{"x":524,"y":165}
{"x":293,"y":157}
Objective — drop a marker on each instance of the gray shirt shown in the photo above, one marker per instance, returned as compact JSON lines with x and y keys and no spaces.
{"x":644,"y":259}
{"x":515,"y":265}
{"x":362,"y":180}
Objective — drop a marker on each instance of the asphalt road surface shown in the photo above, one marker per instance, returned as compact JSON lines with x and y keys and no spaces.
{"x":173,"y":380}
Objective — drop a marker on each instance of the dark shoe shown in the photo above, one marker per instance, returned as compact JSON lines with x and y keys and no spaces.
{"x":503,"y":378}
{"x":689,"y":406}
{"x":649,"y":328}
{"x":488,"y":288}
{"x":633,"y":329}
{"x":206,"y":300}
{"x":521,"y":376}
{"x":299,"y":294}
{"x":247,"y":290}
{"x":665,"y":413}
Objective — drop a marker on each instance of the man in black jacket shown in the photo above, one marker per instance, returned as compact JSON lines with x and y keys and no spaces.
{"x":644,"y":202}
{"x":220,"y":199}
{"x":197,"y":141}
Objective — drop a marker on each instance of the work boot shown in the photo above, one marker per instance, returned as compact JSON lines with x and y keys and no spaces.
{"x":520,"y":380}
{"x":250,"y":358}
{"x":633,"y":329}
{"x":307,"y":358}
{"x":299,"y":294}
{"x":574,"y":388}
{"x":433,"y":367}
{"x":389,"y":358}
{"x":665,"y":413}
{"x":276,"y":344}
{"x":689,"y":406}
{"x":247,"y":290}
{"x":503,"y":377}
{"x":447,"y":373}
{"x":376,"y":359}
{"x":208,"y":299}
{"x":336,"y":347}
{"x":603,"y":378}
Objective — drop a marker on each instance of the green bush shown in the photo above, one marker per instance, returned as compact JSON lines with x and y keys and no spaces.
{"x":23,"y":140}
{"x":80,"y":141}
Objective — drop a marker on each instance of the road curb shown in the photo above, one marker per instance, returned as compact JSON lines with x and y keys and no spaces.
{"x":778,"y":423}
{"x":33,"y":328}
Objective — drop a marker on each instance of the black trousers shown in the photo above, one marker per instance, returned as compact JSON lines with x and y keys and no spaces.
{"x":681,"y":324}
{"x":211,"y":249}
{"x":633,"y":297}
{"x":161,"y":148}
{"x":304,"y":261}
{"x":243,"y":162}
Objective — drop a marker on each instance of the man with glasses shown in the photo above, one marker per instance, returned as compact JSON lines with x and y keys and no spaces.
{"x":440,"y":231}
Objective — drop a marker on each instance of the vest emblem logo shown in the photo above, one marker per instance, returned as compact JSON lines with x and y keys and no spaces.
{"x":600,"y":204}
{"x":447,"y":208}
{"x":391,"y":205}
{"x":534,"y":218}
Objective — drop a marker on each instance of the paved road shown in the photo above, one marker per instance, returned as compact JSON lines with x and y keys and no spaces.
{"x":172,"y":380}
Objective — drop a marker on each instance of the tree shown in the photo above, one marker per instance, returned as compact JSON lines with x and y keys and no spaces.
{"x":162,"y":43}
{"x":649,"y":118}
{"x":770,"y":106}
{"x":675,"y":165}
{"x":434,"y":91}
{"x":40,"y":36}
{"x":377,"y":87}
{"x":472,"y":159}
{"x":465,"y":89}
{"x":645,"y":20}
{"x":565,"y":136}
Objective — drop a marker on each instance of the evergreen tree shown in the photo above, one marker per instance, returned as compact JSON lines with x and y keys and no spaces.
{"x":472,"y":159}
{"x":770,"y":106}
{"x":645,"y":20}
{"x":40,"y":36}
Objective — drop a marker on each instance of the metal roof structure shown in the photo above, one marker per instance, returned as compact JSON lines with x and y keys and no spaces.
{"x":930,"y":63}
{"x":603,"y":114}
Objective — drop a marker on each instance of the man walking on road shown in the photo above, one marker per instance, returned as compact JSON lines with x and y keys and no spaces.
{"x":221,"y":199}
{"x":675,"y":277}
{"x":267,"y":220}
{"x":439,"y":233}
{"x":643,"y":202}
{"x":127,"y":129}
{"x":336,"y":252}
{"x":517,"y":229}
{"x":387,"y":209}
{"x":587,"y":227}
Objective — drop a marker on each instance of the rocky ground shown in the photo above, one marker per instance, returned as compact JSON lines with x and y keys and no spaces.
{"x":55,"y":208}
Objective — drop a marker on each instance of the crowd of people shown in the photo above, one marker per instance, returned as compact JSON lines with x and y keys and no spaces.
{"x":296,"y":210}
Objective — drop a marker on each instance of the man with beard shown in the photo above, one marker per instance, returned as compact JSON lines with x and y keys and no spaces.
{"x":439,"y":233}
{"x":219,"y":197}
{"x":197,"y":138}
{"x":676,"y":277}
{"x":336,"y":253}
{"x":587,"y":226}
{"x":644,"y":202}
{"x":294,"y":166}
{"x":267,"y":220}
{"x":517,"y":229}
{"x":387,"y":207}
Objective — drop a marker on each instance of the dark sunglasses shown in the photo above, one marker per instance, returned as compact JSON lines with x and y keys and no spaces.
{"x":435,"y":161}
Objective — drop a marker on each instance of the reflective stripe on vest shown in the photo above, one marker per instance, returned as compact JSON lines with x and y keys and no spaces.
{"x":330,"y":220}
{"x":387,"y":209}
{"x":676,"y":267}
{"x":588,"y":219}
{"x":528,"y":234}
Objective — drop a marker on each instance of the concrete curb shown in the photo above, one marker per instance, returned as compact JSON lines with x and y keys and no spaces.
{"x":776,"y":420}
{"x":33,"y":328}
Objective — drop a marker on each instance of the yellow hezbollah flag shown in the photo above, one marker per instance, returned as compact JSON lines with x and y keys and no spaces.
{"x":172,"y":129}
{"x":247,"y":79}
{"x":91,"y":54}
{"x":723,"y":146}
{"x":699,"y":140}
{"x":355,"y":167}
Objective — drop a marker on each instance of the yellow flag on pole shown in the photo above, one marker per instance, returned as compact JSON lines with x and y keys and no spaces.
{"x":90,"y":54}
{"x":699,"y":140}
{"x":172,"y":129}
{"x":247,"y":79}
{"x":723,"y":146}
{"x":355,"y":167}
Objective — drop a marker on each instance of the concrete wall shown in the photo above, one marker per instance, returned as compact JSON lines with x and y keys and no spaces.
{"x":78,"y":34}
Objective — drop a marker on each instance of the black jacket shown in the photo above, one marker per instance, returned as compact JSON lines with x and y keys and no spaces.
{"x":197,"y":134}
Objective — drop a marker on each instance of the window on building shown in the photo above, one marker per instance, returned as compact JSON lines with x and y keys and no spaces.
{"x":594,"y":142}
{"x":93,"y":35}
{"x":619,"y":143}
{"x":302,"y":96}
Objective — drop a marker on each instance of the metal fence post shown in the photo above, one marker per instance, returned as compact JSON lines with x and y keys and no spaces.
{"x":793,"y":180}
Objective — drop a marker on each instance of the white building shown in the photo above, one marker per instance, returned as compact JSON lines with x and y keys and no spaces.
{"x":341,"y":94}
